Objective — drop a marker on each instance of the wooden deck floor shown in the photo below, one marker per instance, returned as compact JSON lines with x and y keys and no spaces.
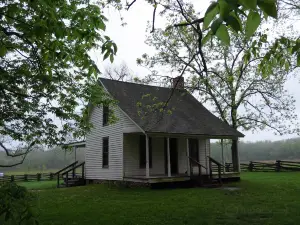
{"x":158,"y":178}
{"x":174,"y":178}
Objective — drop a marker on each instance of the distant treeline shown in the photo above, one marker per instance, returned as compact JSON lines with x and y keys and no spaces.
{"x":257,"y":151}
{"x":40,"y":160}
{"x":261,"y":151}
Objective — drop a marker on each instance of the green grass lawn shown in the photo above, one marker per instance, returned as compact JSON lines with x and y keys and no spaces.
{"x":39,"y":185}
{"x":264,"y":198}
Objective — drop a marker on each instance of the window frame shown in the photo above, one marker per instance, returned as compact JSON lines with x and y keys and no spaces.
{"x":142,"y":152}
{"x":105,"y":116}
{"x":104,"y":163}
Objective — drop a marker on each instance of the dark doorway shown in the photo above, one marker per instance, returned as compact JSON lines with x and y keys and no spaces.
{"x":194,"y":152}
{"x":173,"y":156}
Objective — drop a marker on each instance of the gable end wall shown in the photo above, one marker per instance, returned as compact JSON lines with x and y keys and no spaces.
{"x":93,"y":155}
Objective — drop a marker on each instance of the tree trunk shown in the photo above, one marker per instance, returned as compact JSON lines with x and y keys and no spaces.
{"x":234,"y":154}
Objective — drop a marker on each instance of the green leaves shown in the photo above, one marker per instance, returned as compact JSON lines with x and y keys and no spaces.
{"x":210,"y":14}
{"x":48,"y":44}
{"x":111,"y":49}
{"x":234,"y":22}
{"x":215,"y":25}
{"x":207,"y":37}
{"x":224,"y":9}
{"x":253,"y":21}
{"x":250,"y":4}
{"x":268,"y":7}
{"x":223,"y":35}
{"x":3,"y":50}
{"x":230,"y":12}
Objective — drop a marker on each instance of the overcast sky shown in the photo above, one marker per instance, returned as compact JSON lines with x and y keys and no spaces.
{"x":130,"y":40}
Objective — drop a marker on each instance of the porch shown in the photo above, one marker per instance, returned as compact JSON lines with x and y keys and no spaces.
{"x":163,"y":158}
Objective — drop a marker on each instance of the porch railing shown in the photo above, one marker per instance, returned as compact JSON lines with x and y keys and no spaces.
{"x":219,"y":165}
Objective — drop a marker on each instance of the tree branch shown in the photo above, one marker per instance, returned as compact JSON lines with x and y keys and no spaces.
{"x":7,"y":151}
{"x":153,"y":17}
{"x":200,"y":20}
{"x":130,"y":4}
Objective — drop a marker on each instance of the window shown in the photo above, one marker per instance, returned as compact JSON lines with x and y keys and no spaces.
{"x":105,"y":115}
{"x":194,"y":153}
{"x":143,"y":152}
{"x":105,"y":152}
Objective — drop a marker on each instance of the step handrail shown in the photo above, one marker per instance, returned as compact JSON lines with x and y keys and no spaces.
{"x":198,"y":164}
{"x":73,"y":172}
{"x":212,"y":160}
{"x":58,"y":172}
{"x":79,"y":165}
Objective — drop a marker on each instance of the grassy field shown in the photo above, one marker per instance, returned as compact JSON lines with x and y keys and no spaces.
{"x":39,"y":185}
{"x":263,"y":198}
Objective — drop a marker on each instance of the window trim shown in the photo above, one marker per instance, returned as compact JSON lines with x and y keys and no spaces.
{"x":105,"y":116}
{"x":142,"y":147}
{"x":104,"y":139}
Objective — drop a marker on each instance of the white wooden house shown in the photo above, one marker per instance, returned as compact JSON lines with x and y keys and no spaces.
{"x":166,"y":143}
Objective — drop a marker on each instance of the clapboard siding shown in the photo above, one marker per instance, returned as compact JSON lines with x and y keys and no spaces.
{"x":132,"y":156}
{"x":114,"y":132}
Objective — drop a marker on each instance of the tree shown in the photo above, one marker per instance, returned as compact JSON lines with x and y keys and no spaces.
{"x":229,"y":78}
{"x":46,"y":71}
{"x":220,"y":17}
{"x":121,"y":72}
{"x":291,"y":5}
{"x":224,"y":17}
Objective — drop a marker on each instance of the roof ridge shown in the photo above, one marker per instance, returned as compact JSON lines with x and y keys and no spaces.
{"x":127,"y":82}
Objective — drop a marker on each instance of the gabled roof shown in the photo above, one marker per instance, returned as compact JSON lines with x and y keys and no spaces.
{"x":188,"y":116}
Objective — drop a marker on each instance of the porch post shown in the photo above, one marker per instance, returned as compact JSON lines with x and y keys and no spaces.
{"x":188,"y":157}
{"x":168,"y":153}
{"x":235,"y":156}
{"x":238,"y":157}
{"x":223,"y":162}
{"x":75,"y":148}
{"x":147,"y":156}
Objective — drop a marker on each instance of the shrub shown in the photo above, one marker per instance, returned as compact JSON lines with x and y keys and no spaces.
{"x":16,"y":205}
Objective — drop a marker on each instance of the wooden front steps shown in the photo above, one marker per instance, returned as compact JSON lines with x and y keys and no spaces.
{"x":73,"y":182}
{"x":69,"y":176}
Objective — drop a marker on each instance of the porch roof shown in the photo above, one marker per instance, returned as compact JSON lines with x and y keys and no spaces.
{"x":182,"y":115}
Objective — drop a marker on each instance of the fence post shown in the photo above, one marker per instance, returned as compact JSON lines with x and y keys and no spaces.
{"x":58,"y":180}
{"x":12,"y":178}
{"x":251,"y":165}
{"x":51,"y":176}
{"x":227,"y":166}
{"x":278,"y":165}
{"x":25,"y":177}
{"x":38,"y":177}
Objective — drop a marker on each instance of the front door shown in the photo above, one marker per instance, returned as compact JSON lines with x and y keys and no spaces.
{"x":173,"y":156}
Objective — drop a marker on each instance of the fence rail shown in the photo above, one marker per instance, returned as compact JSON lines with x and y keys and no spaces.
{"x":277,"y":166}
{"x":28,"y":177}
{"x":256,"y":166}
